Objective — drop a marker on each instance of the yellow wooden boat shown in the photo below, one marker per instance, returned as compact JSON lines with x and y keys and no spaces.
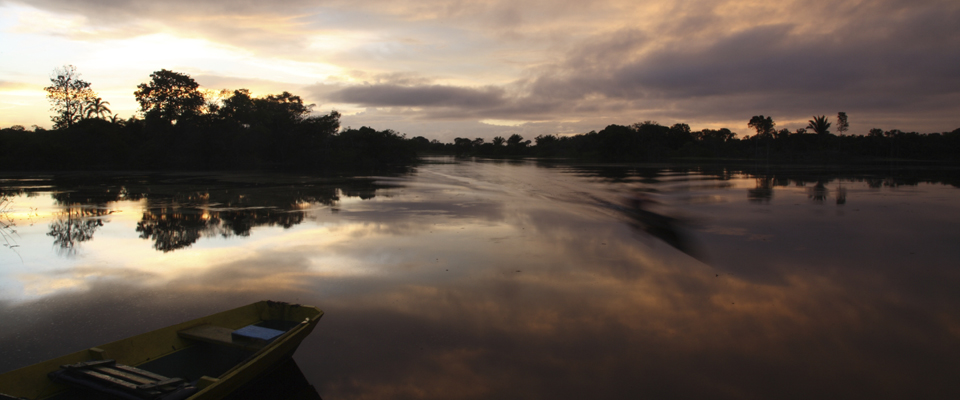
{"x":206,"y":358}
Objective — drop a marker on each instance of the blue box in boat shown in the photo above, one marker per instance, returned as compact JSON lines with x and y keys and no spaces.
{"x":255,"y":334}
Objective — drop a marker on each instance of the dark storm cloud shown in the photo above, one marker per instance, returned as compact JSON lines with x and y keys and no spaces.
{"x":892,"y":57}
{"x":391,"y":95}
{"x":917,"y":55}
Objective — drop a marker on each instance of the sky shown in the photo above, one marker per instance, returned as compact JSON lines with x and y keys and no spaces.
{"x":482,"y":68}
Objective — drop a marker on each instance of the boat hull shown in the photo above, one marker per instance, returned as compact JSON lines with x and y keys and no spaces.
{"x":32,"y":381}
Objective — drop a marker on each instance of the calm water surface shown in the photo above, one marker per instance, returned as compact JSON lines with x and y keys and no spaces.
{"x":490,"y":279}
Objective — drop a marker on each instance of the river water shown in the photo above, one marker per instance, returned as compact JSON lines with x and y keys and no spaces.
{"x":476,"y":279}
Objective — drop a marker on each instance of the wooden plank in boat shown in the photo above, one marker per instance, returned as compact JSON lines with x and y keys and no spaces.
{"x":126,"y":375}
{"x":138,"y":371}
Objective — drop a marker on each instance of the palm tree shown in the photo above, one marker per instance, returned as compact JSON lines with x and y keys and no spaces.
{"x":97,"y":107}
{"x":115,"y":119}
{"x":820,"y":125}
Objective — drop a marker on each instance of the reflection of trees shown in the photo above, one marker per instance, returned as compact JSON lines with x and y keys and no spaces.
{"x":74,"y":226}
{"x":85,"y":203}
{"x":240,"y":223}
{"x":95,"y":195}
{"x":180,"y":210}
{"x":362,"y":193}
{"x":675,"y":178}
{"x":763,"y":192}
{"x":626,"y":174}
{"x":171,"y":229}
{"x":177,"y":214}
{"x":818,"y":192}
{"x":6,"y":223}
{"x":178,"y":227}
{"x":175,"y":220}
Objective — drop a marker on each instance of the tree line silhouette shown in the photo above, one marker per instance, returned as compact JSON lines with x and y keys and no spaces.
{"x":181,"y":127}
{"x":650,"y":141}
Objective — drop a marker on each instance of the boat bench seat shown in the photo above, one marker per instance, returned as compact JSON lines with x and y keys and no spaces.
{"x":122,"y":381}
{"x":251,"y":337}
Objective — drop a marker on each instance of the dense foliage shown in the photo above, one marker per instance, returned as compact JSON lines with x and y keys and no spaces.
{"x":69,"y":96}
{"x":180,"y":129}
{"x":649,"y":141}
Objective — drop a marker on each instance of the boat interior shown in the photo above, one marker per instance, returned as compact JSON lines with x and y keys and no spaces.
{"x":171,"y":363}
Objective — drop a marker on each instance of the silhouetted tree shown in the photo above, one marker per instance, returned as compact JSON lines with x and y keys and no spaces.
{"x":420,"y":143}
{"x":763,"y":125}
{"x":721,"y":135}
{"x":678,"y":136}
{"x":515,"y":140}
{"x":819,"y":124}
{"x":499,"y":141}
{"x":68,"y":94}
{"x":516,"y":145}
{"x":546,"y":140}
{"x":367,"y":147}
{"x":765,"y":130}
{"x":280,"y":111}
{"x":321,"y":126}
{"x":96,"y":107}
{"x":842,"y":125}
{"x":547,"y":145}
{"x":169,"y":96}
{"x":238,"y":108}
{"x":462,"y":145}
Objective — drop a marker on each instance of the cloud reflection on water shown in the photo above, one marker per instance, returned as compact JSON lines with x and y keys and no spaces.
{"x":466,"y":288}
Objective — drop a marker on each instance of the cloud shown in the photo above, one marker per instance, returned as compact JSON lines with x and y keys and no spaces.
{"x":391,"y":95}
{"x":107,"y":10}
{"x":893,"y":61}
{"x":613,"y":61}
{"x":391,"y":78}
{"x":260,"y":87}
{"x":11,"y":86}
